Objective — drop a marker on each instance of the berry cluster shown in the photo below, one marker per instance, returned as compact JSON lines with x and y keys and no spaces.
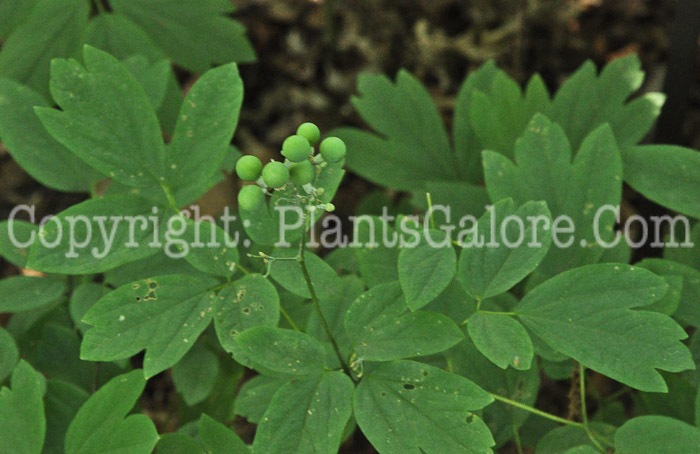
{"x":300,"y":165}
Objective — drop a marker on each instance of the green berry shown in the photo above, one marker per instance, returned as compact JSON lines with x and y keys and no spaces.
{"x":333,"y":149}
{"x":310,"y":132}
{"x":275,"y":174}
{"x":250,"y":197}
{"x":329,"y":207}
{"x":296,"y":148}
{"x":302,"y":172}
{"x":248,"y":168}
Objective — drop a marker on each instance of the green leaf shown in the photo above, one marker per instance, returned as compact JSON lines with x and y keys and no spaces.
{"x":688,"y":311}
{"x":82,"y":298}
{"x":193,"y":33}
{"x":201,"y":238}
{"x":466,"y":144}
{"x":9,"y":354}
{"x":586,"y":314}
{"x":163,"y":315}
{"x":62,"y":402}
{"x":24,"y":293}
{"x":289,"y":274}
{"x":382,"y":327}
{"x":577,"y":190}
{"x":427,"y":269}
{"x":250,"y":301}
{"x":102,"y":424}
{"x":666,"y":174}
{"x":15,"y":238}
{"x":218,"y":438}
{"x":378,"y":262}
{"x":405,"y":407}
{"x":152,"y":77}
{"x":195,"y":374}
{"x":13,"y":13}
{"x":413,"y":147}
{"x":33,"y":148}
{"x":22,"y":419}
{"x":52,"y":29}
{"x":57,"y":354}
{"x":500,"y":114}
{"x":307,"y":416}
{"x":255,"y":396}
{"x":520,"y":386}
{"x":282,"y":351}
{"x":107,"y":119}
{"x":204,"y":129}
{"x":90,"y":238}
{"x":564,"y":439}
{"x":489,"y":271}
{"x":120,"y":36}
{"x":656,"y":435}
{"x":178,"y":443}
{"x":502,"y":340}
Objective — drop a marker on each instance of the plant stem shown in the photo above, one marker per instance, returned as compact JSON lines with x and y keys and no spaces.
{"x":584,"y":414}
{"x":516,"y":438}
{"x":537,"y":412}
{"x":317,"y":307}
{"x":289,"y":319}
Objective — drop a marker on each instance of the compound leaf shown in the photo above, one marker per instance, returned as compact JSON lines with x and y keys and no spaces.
{"x":586,"y":314}
{"x":33,"y":148}
{"x":666,"y":174}
{"x":382,"y":328}
{"x":427,"y":269}
{"x":656,"y":435}
{"x":22,"y":412}
{"x":195,"y":34}
{"x":24,"y":293}
{"x":90,"y":238}
{"x":307,"y":416}
{"x":405,"y":407}
{"x":502,"y":339}
{"x":487,"y":271}
{"x":250,"y":301}
{"x":52,"y":29}
{"x":102,"y":424}
{"x":107,"y":119}
{"x":163,"y":315}
{"x":204,"y":129}
{"x":282,"y":351}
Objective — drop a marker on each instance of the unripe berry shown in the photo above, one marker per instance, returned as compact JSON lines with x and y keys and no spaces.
{"x":250,"y":197}
{"x":333,"y":149}
{"x":310,"y":132}
{"x":296,"y":148}
{"x":302,"y":173}
{"x":275,"y":174}
{"x":248,"y":168}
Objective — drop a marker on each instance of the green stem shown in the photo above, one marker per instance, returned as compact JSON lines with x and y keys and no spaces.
{"x":170,"y":197}
{"x":289,"y":319}
{"x":516,"y":438}
{"x":317,"y":307}
{"x":584,"y":412}
{"x":512,"y":314}
{"x":537,"y":412}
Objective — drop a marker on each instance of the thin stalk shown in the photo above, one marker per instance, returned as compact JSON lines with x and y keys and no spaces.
{"x":289,"y":319}
{"x":537,"y":412}
{"x":584,"y":413}
{"x":317,"y":307}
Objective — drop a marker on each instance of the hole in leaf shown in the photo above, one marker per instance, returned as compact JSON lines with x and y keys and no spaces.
{"x":383,"y":394}
{"x":408,"y":386}
{"x":470,"y":418}
{"x":425,"y":373}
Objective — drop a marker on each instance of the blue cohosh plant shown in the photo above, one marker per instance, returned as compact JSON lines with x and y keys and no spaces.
{"x":440,"y":350}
